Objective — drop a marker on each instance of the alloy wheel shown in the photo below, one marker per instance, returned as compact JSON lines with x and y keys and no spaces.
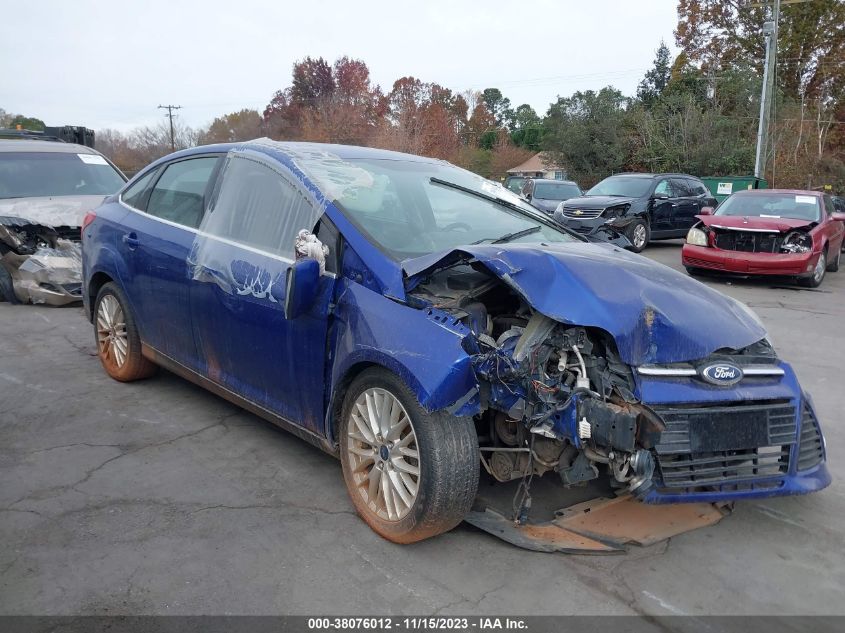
{"x":818,"y":271}
{"x":639,"y":236}
{"x":383,"y":454}
{"x":112,"y":339}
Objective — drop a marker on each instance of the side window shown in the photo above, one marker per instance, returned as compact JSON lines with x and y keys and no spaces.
{"x":257,"y":206}
{"x":698,"y":189}
{"x":680,"y":188}
{"x":829,"y":207}
{"x":663,"y":188}
{"x":179,"y":194}
{"x":134,"y":195}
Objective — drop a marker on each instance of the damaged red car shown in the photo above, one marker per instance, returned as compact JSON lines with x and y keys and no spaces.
{"x":768,"y":232}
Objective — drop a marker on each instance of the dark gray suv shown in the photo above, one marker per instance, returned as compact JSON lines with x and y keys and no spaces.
{"x":642,"y":207}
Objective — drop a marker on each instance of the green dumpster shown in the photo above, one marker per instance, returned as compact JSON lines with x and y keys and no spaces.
{"x":723,"y":186}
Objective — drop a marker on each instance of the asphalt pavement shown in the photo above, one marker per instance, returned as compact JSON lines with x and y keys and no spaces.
{"x":157,"y":497}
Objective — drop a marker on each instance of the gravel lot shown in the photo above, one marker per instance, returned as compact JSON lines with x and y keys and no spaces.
{"x":160,"y":498}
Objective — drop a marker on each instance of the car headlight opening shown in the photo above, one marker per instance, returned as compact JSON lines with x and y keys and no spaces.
{"x":797,"y":242}
{"x":697,"y":237}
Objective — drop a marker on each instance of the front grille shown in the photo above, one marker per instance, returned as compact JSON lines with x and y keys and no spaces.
{"x":749,"y":241}
{"x":582,"y":214}
{"x":725,"y":447}
{"x":810,"y":447}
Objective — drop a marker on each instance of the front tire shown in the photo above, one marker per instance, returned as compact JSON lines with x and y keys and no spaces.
{"x":411,"y":474}
{"x":639,"y":235}
{"x":118,"y":343}
{"x":815,"y":280}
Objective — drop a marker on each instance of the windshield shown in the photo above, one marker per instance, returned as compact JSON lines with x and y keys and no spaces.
{"x":399,"y":205}
{"x":772,"y":205}
{"x":515,"y":184}
{"x":556,"y":191}
{"x":36,"y":174}
{"x":629,"y":186}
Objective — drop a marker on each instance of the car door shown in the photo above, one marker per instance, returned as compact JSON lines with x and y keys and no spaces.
{"x":835,"y":230}
{"x":238,"y":269}
{"x":158,"y":240}
{"x":685,"y":205}
{"x":662,"y":207}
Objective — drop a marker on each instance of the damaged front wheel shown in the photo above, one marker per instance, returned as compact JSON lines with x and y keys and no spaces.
{"x":411,"y":474}
{"x":118,"y":343}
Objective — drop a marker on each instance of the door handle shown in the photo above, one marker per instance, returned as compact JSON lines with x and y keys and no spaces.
{"x":131,"y":240}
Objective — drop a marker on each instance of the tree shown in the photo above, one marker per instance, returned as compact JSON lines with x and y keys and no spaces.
{"x":499,"y":107}
{"x":235,"y":126}
{"x":528,"y":130}
{"x":586,"y":133}
{"x":656,"y":79}
{"x":26,"y":123}
{"x":717,"y":33}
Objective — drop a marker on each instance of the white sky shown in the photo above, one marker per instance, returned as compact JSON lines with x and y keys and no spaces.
{"x":102,"y":63}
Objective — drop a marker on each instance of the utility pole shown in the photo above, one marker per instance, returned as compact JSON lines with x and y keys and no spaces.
{"x":770,"y":32}
{"x":170,"y":109}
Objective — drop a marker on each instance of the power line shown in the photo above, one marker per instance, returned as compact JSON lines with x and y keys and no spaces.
{"x":170,"y":109}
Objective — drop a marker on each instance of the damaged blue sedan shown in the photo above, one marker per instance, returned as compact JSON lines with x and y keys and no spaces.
{"x":431,"y":329}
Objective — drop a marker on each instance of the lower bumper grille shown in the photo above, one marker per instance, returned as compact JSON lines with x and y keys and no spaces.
{"x":725,"y":447}
{"x":810,"y":447}
{"x":749,"y":242}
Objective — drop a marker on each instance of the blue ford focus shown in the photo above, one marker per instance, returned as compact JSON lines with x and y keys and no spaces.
{"x":430,"y":328}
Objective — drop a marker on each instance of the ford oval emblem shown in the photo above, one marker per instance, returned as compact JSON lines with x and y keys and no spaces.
{"x":723,"y":374}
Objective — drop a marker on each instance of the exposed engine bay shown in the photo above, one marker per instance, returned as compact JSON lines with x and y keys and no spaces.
{"x":39,"y":263}
{"x":555,"y":398}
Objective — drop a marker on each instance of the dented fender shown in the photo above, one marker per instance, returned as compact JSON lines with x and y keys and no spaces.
{"x":423,"y":347}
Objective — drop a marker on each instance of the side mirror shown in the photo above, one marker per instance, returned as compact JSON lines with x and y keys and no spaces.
{"x":301,"y":285}
{"x":528,"y":196}
{"x":837,"y":216}
{"x":706,"y":211}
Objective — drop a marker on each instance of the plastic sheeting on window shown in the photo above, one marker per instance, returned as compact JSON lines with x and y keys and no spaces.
{"x":257,"y":213}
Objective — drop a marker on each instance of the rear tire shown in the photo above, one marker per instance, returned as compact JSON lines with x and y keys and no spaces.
{"x":815,"y":280}
{"x":411,"y":474}
{"x":639,"y":234}
{"x":116,"y":335}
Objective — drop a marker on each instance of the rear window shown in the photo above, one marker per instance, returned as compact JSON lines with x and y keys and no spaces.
{"x":773,"y":205}
{"x":555,"y":191}
{"x":37,"y":174}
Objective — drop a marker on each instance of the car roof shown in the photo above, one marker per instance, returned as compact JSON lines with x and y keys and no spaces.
{"x":292,"y":149}
{"x":563,"y":182}
{"x":37,"y":145}
{"x":644,"y":175}
{"x":759,"y":192}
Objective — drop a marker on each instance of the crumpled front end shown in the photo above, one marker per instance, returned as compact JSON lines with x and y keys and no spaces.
{"x":38,"y":266}
{"x":630,"y":408}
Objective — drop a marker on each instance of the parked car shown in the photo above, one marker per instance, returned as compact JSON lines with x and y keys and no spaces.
{"x":546,"y":194}
{"x":46,"y":187}
{"x":642,"y":207}
{"x":411,"y":317}
{"x":769,"y":232}
{"x":514,"y":183}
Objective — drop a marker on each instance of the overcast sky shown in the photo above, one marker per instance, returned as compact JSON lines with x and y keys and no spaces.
{"x":102,"y":63}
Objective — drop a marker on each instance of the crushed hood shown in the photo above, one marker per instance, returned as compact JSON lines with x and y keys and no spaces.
{"x":51,"y":211}
{"x":655,"y":314}
{"x":596,"y":202}
{"x":740,"y":222}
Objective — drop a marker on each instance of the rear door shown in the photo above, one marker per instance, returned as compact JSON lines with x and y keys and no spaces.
{"x":158,"y":240}
{"x":238,"y":270}
{"x":835,"y":230}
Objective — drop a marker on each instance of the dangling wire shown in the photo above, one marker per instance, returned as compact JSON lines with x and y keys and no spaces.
{"x":522,"y":498}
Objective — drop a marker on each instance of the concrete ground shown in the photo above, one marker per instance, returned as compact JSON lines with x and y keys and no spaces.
{"x":160,"y":498}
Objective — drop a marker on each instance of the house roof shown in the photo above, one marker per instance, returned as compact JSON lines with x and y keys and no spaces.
{"x":535,"y":163}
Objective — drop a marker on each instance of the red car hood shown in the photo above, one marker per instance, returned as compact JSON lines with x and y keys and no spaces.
{"x":741,"y":222}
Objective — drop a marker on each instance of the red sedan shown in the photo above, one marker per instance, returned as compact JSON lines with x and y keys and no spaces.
{"x":768,"y":232}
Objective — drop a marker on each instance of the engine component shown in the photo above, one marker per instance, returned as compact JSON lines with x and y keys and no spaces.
{"x":582,"y":470}
{"x":611,"y":425}
{"x":642,"y":463}
{"x":509,"y":465}
{"x":507,"y":429}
